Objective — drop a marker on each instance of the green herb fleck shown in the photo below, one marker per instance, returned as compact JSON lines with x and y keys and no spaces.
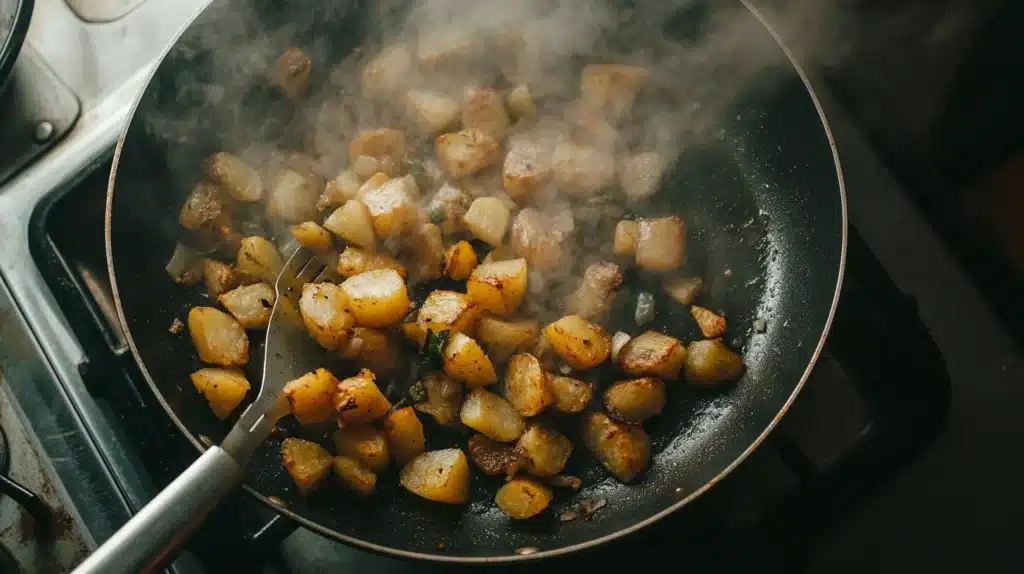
{"x":438,"y":215}
{"x":418,"y":392}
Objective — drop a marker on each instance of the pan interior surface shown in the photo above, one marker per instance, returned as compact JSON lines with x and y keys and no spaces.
{"x":764,"y":210}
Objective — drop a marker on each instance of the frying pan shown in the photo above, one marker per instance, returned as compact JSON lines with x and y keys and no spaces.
{"x":765,"y":208}
{"x":14,"y":18}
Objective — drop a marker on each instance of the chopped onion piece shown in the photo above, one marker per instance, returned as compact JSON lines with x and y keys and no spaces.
{"x":619,"y":340}
{"x":644,"y":308}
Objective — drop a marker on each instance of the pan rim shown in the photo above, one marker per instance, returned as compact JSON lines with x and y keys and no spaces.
{"x":380,"y":549}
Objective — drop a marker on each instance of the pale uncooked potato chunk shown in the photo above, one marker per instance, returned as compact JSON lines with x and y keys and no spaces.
{"x":522,"y":498}
{"x":224,"y":389}
{"x":640,"y":174}
{"x":466,"y":152}
{"x":386,"y":145}
{"x":250,"y":305}
{"x":353,"y":223}
{"x":233,"y":175}
{"x":661,"y":243}
{"x":521,"y":104}
{"x":492,"y":416}
{"x":392,"y":206}
{"x":377,"y":298}
{"x":487,"y":219}
{"x":311,"y":396}
{"x":580,"y":343}
{"x":339,"y":190}
{"x":432,"y":112}
{"x":388,"y":72}
{"x":292,"y":197}
{"x":440,"y":475}
{"x":218,"y":337}
{"x":635,"y":400}
{"x":622,"y":449}
{"x":545,"y":451}
{"x":653,"y":354}
{"x":484,"y":110}
{"x":325,"y":313}
{"x":504,"y":337}
{"x":464,"y":360}
{"x":258,"y":259}
{"x":612,"y":88}
{"x":582,"y":171}
{"x":527,"y":386}
{"x":535,"y":237}
{"x":499,"y":286}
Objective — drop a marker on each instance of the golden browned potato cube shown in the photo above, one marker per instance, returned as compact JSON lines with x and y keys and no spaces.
{"x":233,"y":175}
{"x":218,"y":337}
{"x":306,"y":462}
{"x":219,"y":277}
{"x":343,"y":188}
{"x":376,"y":349}
{"x":484,"y":110}
{"x":358,"y":400}
{"x":439,"y":475}
{"x":622,"y":449}
{"x":386,"y":145}
{"x":545,"y":451}
{"x":388,"y":73}
{"x":640,"y":174}
{"x":581,"y":171}
{"x":527,"y":386}
{"x":521,"y":104}
{"x":431,"y":112}
{"x":653,"y":354}
{"x":404,"y":432}
{"x":459,"y":261}
{"x":487,"y":219}
{"x":353,"y":223}
{"x":378,"y":298}
{"x":492,"y":457}
{"x":464,"y":360}
{"x":354,"y":261}
{"x":499,"y":286}
{"x":354,"y":475}
{"x":311,"y":396}
{"x":224,"y":389}
{"x":392,"y":206}
{"x":448,"y":310}
{"x":326,"y":314}
{"x":527,"y":167}
{"x":444,"y":397}
{"x":635,"y":400}
{"x":612,"y":87}
{"x":291,"y":72}
{"x":626,"y":232}
{"x":365,"y":444}
{"x":522,"y":498}
{"x":492,"y":416}
{"x":571,"y":395}
{"x":661,"y":243}
{"x":596,"y":292}
{"x":447,"y":208}
{"x":466,"y":152}
{"x":310,"y":234}
{"x":535,"y":238}
{"x":292,"y":197}
{"x":712,"y":325}
{"x":710,"y":361}
{"x":204,"y":207}
{"x":580,"y":343}
{"x":250,"y":304}
{"x":258,"y":259}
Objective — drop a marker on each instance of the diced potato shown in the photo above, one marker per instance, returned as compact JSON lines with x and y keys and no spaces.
{"x":233,"y":175}
{"x":387,"y":145}
{"x":499,"y":287}
{"x":626,"y":232}
{"x":492,"y":457}
{"x":354,"y":475}
{"x":710,"y":361}
{"x":580,"y":343}
{"x":505,"y":337}
{"x":250,"y":304}
{"x":310,"y":234}
{"x":635,"y":400}
{"x":492,"y":416}
{"x":326,"y":314}
{"x":291,"y":72}
{"x":377,"y":298}
{"x":624,"y":450}
{"x":258,"y":259}
{"x":306,"y":462}
{"x":444,"y":397}
{"x":545,"y":451}
{"x":459,"y":261}
{"x":218,"y":337}
{"x":611,"y":88}
{"x":339,"y":190}
{"x":589,"y":125}
{"x":392,"y":206}
{"x":388,"y":73}
{"x":484,"y":110}
{"x":365,"y":444}
{"x":204,"y":207}
{"x":354,"y":261}
{"x":224,"y":389}
{"x":487,"y":219}
{"x":448,"y":310}
{"x":527,"y":386}
{"x":466,"y":152}
{"x":292,"y":197}
{"x":640,"y":174}
{"x":653,"y":354}
{"x":522,"y":498}
{"x":219,"y":277}
{"x":535,"y":238}
{"x":365,"y":167}
{"x":184,"y":267}
{"x":426,"y":249}
{"x":358,"y":400}
{"x":448,"y":207}
{"x":311,"y":396}
{"x":571,"y":395}
{"x":712,"y":325}
{"x":685,"y":289}
{"x":439,"y":475}
{"x":464,"y":360}
{"x":527,"y":166}
{"x":503,"y":253}
{"x":431,"y":112}
{"x":414,"y":332}
{"x":593,"y":298}
{"x":661,"y":243}
{"x":521,"y":104}
{"x":375,"y":349}
{"x":582,"y":171}
{"x":404,"y":432}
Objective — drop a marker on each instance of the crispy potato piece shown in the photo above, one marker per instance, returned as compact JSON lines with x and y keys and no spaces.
{"x":440,"y":475}
{"x":392,"y":206}
{"x":499,"y":287}
{"x":311,"y":396}
{"x":292,"y":197}
{"x":387,"y":145}
{"x":504,"y":337}
{"x":459,"y":261}
{"x":590,"y":126}
{"x":661,"y":243}
{"x":593,"y":298}
{"x":612,"y":88}
{"x":250,"y":305}
{"x":219,"y":277}
{"x":492,"y":457}
{"x":431,"y":112}
{"x":365,"y":167}
{"x":521,"y":104}
{"x":374,"y":349}
{"x":571,"y":395}
{"x":218,"y":337}
{"x":535,"y":238}
{"x":640,"y":174}
{"x":448,"y":310}
{"x":354,"y":475}
{"x":466,"y":152}
{"x":204,"y":207}
{"x":465,"y":361}
{"x":258,"y":259}
{"x":310,"y":234}
{"x":484,"y":110}
{"x":444,"y":397}
{"x":224,"y":389}
{"x":522,"y":498}
{"x":582,"y":171}
{"x":448,"y":207}
{"x":378,"y":298}
{"x":426,"y":248}
{"x":712,"y":325}
{"x":545,"y":451}
{"x":306,"y":462}
{"x":353,"y":223}
{"x":635,"y":400}
{"x":626,"y":232}
{"x":580,"y":343}
{"x":491,"y":415}
{"x":624,"y":450}
{"x":358,"y":400}
{"x":339,"y":190}
{"x":365,"y":444}
{"x":653,"y":354}
{"x":233,"y":175}
{"x":354,"y":261}
{"x":487,"y":219}
{"x":527,"y":167}
{"x":404,"y":432}
{"x":710,"y":361}
{"x":388,"y":73}
{"x":527,"y":386}
{"x":326,"y":314}
{"x":291,"y":73}
{"x":685,"y":289}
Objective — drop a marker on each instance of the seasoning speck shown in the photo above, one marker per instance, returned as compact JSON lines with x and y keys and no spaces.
{"x":176,"y":326}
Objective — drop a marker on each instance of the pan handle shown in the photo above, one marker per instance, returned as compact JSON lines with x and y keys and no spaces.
{"x":153,"y":536}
